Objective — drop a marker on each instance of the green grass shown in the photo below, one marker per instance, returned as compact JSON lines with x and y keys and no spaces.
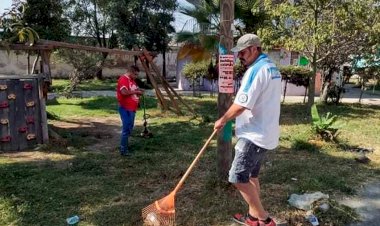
{"x":81,"y":107}
{"x":59,"y":85}
{"x":105,"y":189}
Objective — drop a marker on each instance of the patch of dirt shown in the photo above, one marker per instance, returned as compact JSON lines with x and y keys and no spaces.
{"x":103,"y":132}
{"x":58,"y":160}
{"x":35,"y":156}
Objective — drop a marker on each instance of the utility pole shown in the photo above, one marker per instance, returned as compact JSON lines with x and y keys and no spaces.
{"x":224,"y":154}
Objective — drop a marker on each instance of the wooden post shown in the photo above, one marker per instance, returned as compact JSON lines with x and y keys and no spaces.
{"x":150,"y":60}
{"x":225,"y":99}
{"x":162,"y":79}
{"x":159,"y":95}
{"x":45,"y":57}
{"x":42,"y":110}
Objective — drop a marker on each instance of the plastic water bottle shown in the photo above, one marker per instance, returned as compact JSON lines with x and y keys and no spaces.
{"x":313,"y":220}
{"x":72,"y":220}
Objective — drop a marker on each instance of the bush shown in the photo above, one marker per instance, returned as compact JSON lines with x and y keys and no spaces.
{"x":324,"y":126}
{"x":296,"y":75}
{"x":195,"y":70}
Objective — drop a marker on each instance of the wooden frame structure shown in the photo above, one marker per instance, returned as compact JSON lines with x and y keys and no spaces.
{"x":161,"y":86}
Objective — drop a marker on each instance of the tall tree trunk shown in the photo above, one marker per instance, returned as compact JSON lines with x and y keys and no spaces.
{"x":325,"y":90}
{"x":193,"y":87}
{"x":311,"y":94}
{"x":286,"y":85}
{"x":28,"y":69}
{"x":224,"y":154}
{"x":164,"y":63}
{"x":326,"y":85}
{"x":35,"y":63}
{"x":99,"y":73}
{"x":361,"y":88}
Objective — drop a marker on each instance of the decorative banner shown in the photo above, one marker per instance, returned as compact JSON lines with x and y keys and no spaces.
{"x":226,"y":74}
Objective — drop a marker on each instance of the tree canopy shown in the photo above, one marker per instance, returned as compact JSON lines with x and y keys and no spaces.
{"x":143,"y":23}
{"x":47,"y":19}
{"x":327,"y":32}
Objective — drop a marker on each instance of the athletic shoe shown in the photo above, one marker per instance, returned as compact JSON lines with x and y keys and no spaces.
{"x":245,"y":220}
{"x":271,"y":223}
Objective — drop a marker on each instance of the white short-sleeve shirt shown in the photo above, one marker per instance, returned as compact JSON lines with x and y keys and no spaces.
{"x":260,"y":94}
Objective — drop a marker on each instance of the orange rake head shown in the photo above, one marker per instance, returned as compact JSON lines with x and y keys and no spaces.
{"x":161,"y":212}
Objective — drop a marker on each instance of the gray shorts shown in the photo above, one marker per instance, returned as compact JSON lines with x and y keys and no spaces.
{"x":247,"y":161}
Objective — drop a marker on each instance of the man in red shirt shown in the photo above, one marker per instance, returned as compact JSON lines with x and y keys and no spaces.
{"x":128,"y":97}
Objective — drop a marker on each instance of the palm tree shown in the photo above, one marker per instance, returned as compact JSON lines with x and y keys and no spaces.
{"x":203,"y":36}
{"x":14,"y":29}
{"x":204,"y":29}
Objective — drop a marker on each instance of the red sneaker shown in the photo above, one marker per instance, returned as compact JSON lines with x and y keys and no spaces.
{"x":271,"y":223}
{"x":245,"y":220}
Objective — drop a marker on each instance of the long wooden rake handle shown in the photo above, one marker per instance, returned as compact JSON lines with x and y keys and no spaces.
{"x":180,"y":183}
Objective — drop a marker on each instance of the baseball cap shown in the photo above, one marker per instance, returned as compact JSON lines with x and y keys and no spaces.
{"x":245,"y":41}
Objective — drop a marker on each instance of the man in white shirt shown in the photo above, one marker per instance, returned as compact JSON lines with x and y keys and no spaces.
{"x":257,"y":112}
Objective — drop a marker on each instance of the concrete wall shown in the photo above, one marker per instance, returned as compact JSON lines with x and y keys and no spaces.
{"x":16,"y":63}
{"x":171,"y":64}
{"x":12,"y":64}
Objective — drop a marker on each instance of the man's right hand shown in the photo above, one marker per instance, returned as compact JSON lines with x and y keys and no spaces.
{"x":139,"y":92}
{"x":219,"y":124}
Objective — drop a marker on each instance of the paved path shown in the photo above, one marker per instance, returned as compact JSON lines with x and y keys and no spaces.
{"x":367,"y":204}
{"x":351,"y":96}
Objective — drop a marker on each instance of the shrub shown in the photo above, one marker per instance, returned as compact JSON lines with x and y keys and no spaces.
{"x":325,"y":126}
{"x":296,"y":75}
{"x":195,"y":70}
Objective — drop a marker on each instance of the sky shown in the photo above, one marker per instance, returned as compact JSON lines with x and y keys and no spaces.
{"x":180,"y":19}
{"x":4,"y":4}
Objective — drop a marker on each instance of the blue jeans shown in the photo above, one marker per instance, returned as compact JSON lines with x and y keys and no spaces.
{"x":128,"y":120}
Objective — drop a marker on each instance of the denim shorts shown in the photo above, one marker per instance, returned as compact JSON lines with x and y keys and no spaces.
{"x":247,"y":161}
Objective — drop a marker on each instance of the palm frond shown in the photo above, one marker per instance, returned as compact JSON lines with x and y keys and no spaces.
{"x":209,"y":42}
{"x":200,"y":15}
{"x":21,"y":35}
{"x":188,"y":37}
{"x":195,"y":52}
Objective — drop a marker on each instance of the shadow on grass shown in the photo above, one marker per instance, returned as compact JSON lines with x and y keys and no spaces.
{"x":105,"y":104}
{"x":297,"y":113}
{"x":316,"y":169}
{"x":294,"y":114}
{"x":350,"y":111}
{"x":101,"y":187}
{"x":105,"y":189}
